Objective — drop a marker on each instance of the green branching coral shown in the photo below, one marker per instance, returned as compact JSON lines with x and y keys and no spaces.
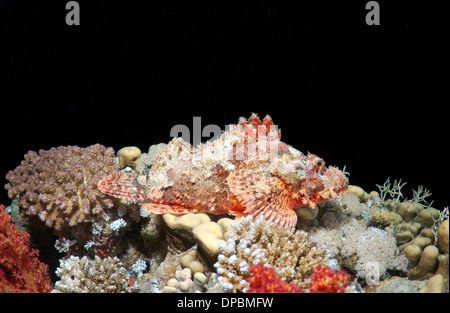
{"x":291,"y":253}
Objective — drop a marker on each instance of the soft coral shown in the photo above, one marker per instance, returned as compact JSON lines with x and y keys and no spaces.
{"x":325,"y":280}
{"x":264,"y":280}
{"x":20,"y":268}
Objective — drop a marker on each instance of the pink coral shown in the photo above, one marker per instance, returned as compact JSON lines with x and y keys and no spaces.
{"x":60,"y":185}
{"x":265,"y":280}
{"x":20,"y":268}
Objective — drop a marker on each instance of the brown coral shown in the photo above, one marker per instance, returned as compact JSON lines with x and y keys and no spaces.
{"x":60,"y":185}
{"x":292,"y":254}
{"x":20,"y":268}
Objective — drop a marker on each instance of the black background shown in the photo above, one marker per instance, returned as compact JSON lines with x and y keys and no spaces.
{"x":368,"y":97}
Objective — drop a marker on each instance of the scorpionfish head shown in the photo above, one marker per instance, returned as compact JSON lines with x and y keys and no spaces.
{"x":310,"y":181}
{"x":323,"y":183}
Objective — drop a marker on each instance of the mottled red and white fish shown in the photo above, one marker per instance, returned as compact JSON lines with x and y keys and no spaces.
{"x":247,"y":171}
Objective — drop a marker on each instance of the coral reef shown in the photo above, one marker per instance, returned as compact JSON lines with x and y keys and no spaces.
{"x":59,"y":186}
{"x":84,"y":275}
{"x":292,"y":254}
{"x":416,"y":232}
{"x":20,"y":268}
{"x":356,"y":241}
{"x":358,"y":247}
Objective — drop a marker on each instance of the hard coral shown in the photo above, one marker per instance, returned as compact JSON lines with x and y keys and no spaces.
{"x":325,"y":280}
{"x":292,"y":254}
{"x":60,"y":185}
{"x":265,"y":280}
{"x":84,"y":275}
{"x":20,"y":268}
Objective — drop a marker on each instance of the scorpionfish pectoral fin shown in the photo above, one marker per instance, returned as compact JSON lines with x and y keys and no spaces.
{"x":263,"y":195}
{"x":123,"y":186}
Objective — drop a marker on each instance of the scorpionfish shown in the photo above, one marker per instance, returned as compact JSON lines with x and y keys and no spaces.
{"x":248,"y":170}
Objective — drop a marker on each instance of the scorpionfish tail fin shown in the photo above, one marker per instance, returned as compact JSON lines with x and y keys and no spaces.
{"x":265,"y":196}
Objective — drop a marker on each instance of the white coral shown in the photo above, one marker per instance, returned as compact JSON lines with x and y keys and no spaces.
{"x":345,"y":237}
{"x":117,"y":225}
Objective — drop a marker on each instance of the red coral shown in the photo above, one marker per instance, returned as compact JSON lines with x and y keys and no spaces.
{"x":264,"y":280}
{"x":20,"y":268}
{"x":325,"y":280}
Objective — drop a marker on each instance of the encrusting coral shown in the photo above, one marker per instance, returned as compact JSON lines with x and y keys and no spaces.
{"x":292,"y":254}
{"x":20,"y":268}
{"x":59,"y":185}
{"x":84,"y":275}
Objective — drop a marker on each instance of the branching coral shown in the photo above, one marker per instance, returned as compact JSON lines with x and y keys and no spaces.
{"x":395,"y":192}
{"x":84,"y":275}
{"x":292,"y":254}
{"x":20,"y":268}
{"x":60,"y":185}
